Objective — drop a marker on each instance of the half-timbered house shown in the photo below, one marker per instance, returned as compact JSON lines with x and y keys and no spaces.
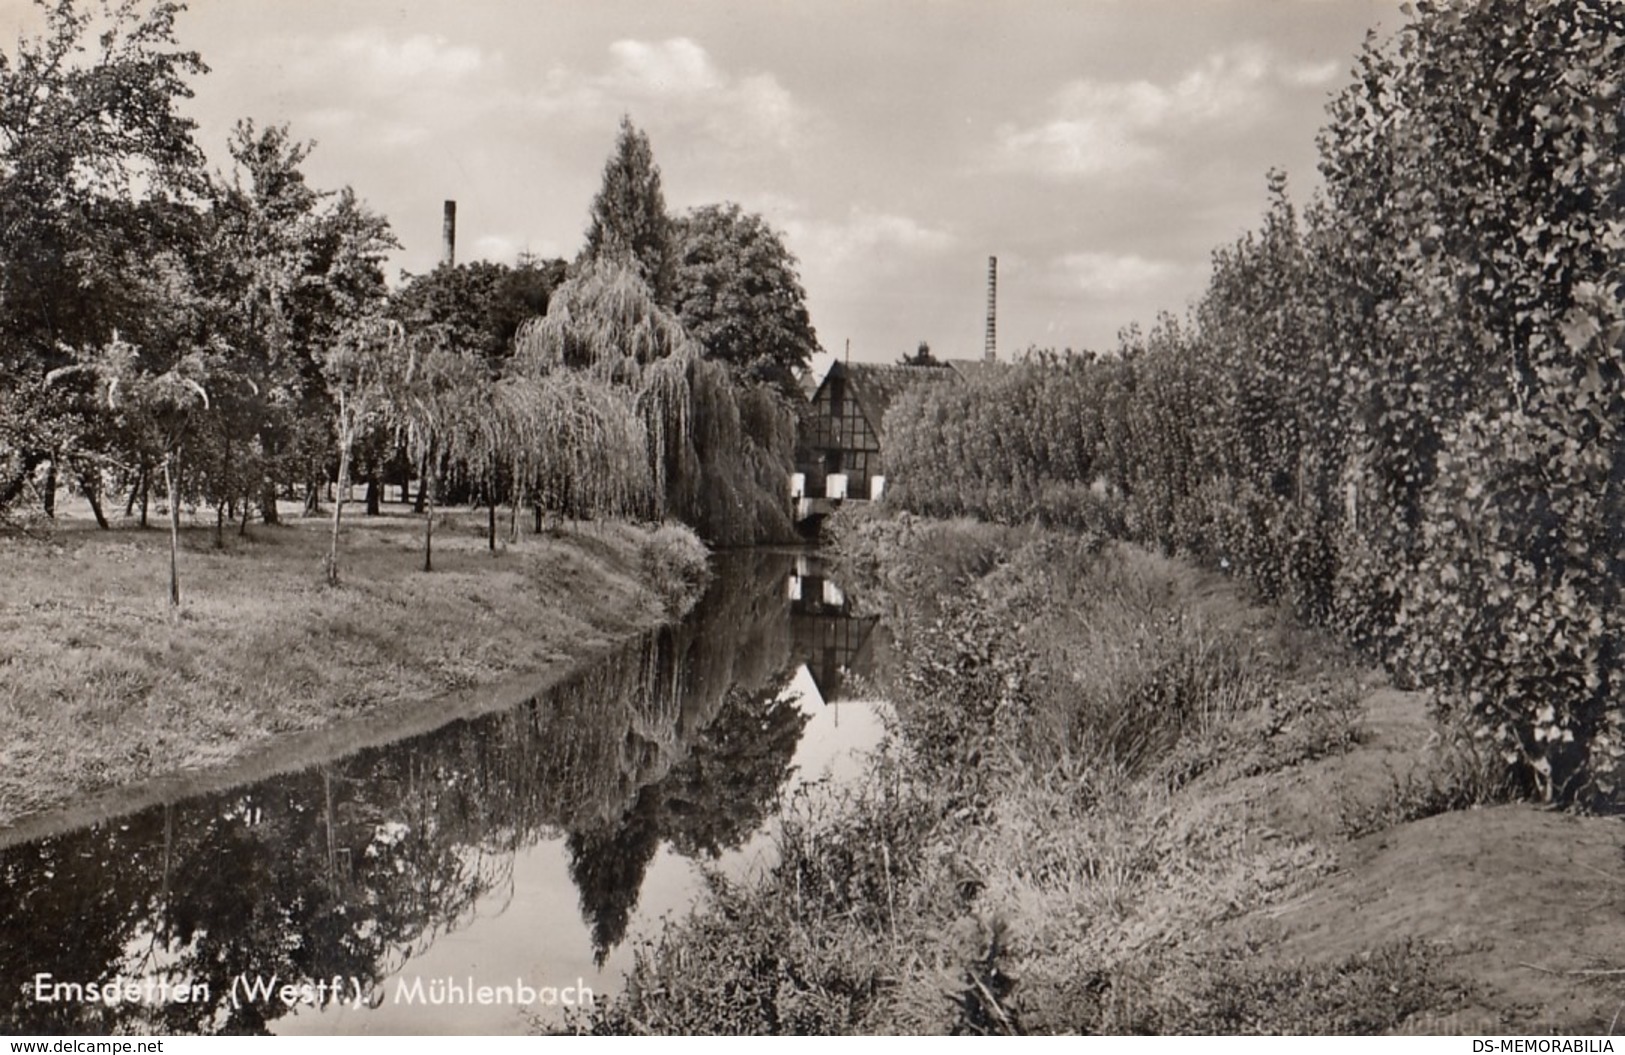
{"x":843,"y":448}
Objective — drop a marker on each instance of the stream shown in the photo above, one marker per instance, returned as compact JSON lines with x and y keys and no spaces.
{"x":518,"y":853}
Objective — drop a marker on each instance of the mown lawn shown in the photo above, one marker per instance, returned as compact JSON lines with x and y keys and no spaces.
{"x":102,"y":684}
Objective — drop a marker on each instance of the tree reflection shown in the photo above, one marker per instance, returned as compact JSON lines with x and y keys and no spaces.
{"x":710,"y":802}
{"x":353,"y":868}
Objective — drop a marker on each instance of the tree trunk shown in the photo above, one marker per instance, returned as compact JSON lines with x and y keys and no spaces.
{"x":338,"y":510}
{"x":17,"y":483}
{"x":94,"y":497}
{"x":50,"y":488}
{"x":171,"y":477}
{"x":423,"y":483}
{"x":146,"y":493}
{"x":135,"y":491}
{"x":268,"y":513}
{"x":223,"y":509}
{"x":375,"y":493}
{"x":538,"y":510}
{"x":242,"y":529}
{"x":491,"y":518}
{"x":428,"y":521}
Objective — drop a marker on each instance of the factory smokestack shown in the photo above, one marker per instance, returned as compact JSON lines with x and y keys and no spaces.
{"x":448,"y":235}
{"x":990,"y":350}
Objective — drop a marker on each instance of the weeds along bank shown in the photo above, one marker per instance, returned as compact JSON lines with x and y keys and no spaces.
{"x":1103,"y":759}
{"x":101,"y":686}
{"x":1399,"y":409}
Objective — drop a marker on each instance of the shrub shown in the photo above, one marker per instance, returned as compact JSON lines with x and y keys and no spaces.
{"x":675,"y":565}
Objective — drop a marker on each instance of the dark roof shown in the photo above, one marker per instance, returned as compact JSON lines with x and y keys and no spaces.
{"x":876,"y":385}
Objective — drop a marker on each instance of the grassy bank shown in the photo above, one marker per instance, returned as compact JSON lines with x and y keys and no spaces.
{"x":102,"y":685}
{"x":1122,"y":798}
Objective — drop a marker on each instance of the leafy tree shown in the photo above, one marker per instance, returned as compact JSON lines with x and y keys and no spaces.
{"x":359,"y":368}
{"x":737,"y":293}
{"x":291,"y":266}
{"x":1479,"y":156}
{"x":629,"y":224}
{"x":480,"y":304}
{"x":432,"y":406}
{"x":717,"y":454}
{"x":160,"y":383}
{"x":91,"y":143}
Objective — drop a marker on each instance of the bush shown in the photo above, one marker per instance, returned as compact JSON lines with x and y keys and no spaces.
{"x":675,"y":566}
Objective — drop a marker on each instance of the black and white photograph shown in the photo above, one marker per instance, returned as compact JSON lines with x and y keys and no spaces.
{"x":533,"y":518}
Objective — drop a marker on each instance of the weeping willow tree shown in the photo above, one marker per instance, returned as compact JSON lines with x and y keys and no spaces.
{"x":716,"y":456}
{"x":574,"y":445}
{"x":435,"y":403}
{"x":566,"y":442}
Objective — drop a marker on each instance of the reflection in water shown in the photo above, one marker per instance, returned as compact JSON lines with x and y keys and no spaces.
{"x":826,"y":634}
{"x":349,"y":870}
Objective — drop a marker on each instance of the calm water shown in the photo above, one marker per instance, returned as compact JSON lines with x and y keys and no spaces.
{"x":523,"y":848}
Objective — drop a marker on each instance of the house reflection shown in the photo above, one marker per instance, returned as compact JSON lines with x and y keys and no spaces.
{"x":825,"y":633}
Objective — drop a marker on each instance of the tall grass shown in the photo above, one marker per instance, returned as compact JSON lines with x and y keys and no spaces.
{"x":1065,"y":819}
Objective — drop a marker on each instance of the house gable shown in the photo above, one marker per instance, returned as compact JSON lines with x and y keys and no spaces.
{"x":847,"y":428}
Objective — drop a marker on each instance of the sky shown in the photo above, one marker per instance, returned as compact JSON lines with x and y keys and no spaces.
{"x":1100,"y":149}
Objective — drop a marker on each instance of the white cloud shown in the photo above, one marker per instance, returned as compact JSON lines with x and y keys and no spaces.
{"x":1110,"y":274}
{"x":672,"y":67}
{"x":1108,"y":127}
{"x":416,"y":58}
{"x":862,"y":235}
{"x":378,"y":127}
{"x":677,"y":82}
{"x":393,"y":92}
{"x":1312,"y":74}
{"x":372,"y":62}
{"x":496,"y":247}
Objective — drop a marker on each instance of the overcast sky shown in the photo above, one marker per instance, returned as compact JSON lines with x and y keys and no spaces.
{"x":1099,"y":149}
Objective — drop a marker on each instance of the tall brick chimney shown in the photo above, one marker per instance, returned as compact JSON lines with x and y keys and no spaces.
{"x":448,"y":235}
{"x":990,"y":350}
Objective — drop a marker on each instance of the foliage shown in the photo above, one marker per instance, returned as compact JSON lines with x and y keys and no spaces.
{"x":629,"y":225}
{"x":94,"y":152}
{"x":921,"y":357}
{"x":1230,"y":992}
{"x":804,"y":955}
{"x":358,"y":371}
{"x":674,"y":563}
{"x":1400,"y":411}
{"x":738,"y":294}
{"x":1071,"y":809}
{"x":289,"y":269}
{"x":481,"y":304}
{"x":716,"y":454}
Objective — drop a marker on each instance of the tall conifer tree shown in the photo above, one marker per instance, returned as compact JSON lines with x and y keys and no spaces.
{"x":629,"y":222}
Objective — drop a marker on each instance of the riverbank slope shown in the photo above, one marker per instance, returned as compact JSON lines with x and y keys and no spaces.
{"x":102,"y":685}
{"x":1126,"y":799}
